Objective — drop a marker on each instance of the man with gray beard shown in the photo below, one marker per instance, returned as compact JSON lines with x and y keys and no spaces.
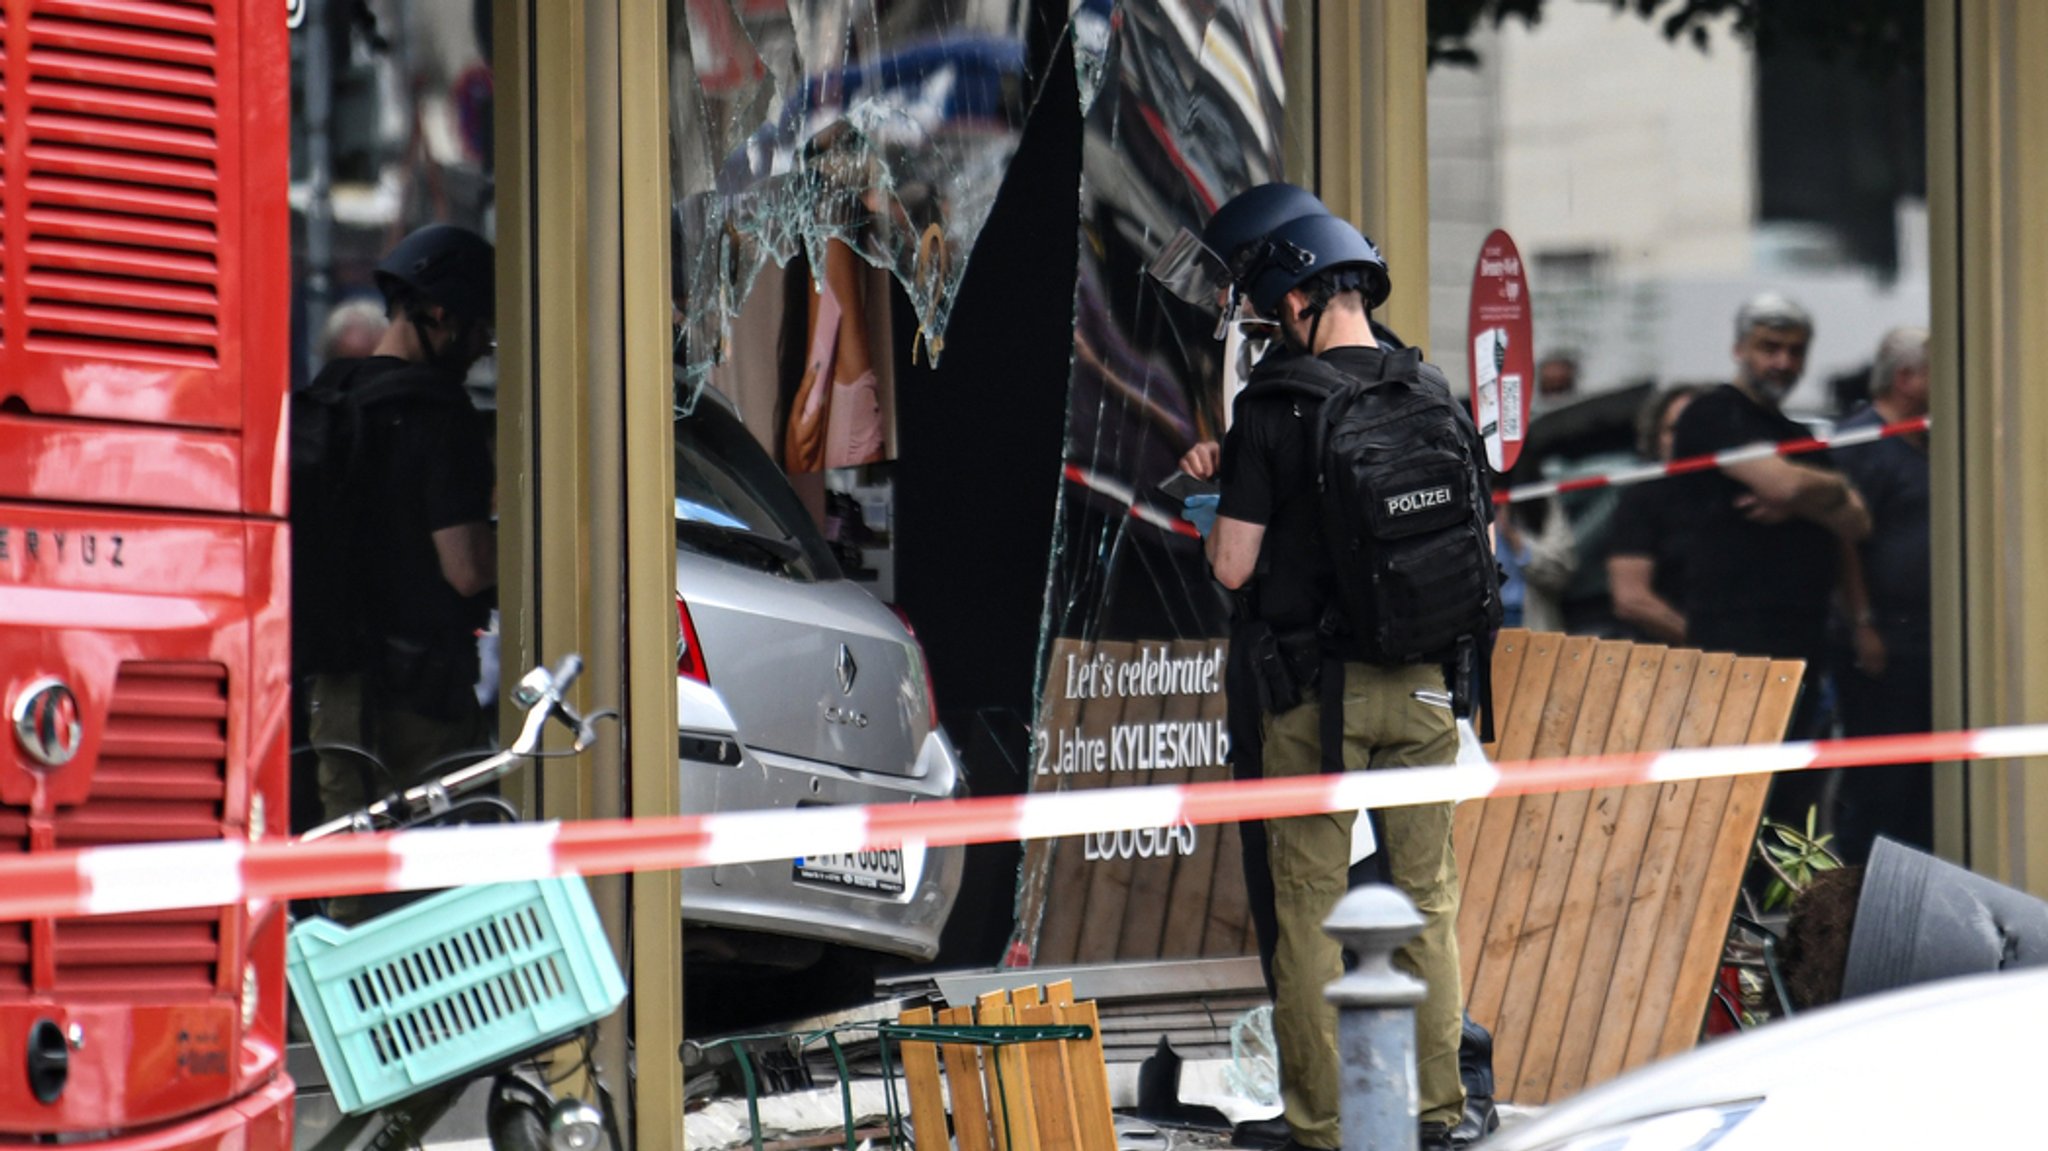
{"x":1768,"y":534}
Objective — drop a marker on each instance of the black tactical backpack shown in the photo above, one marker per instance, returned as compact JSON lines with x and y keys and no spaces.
{"x":1403,"y":515}
{"x":332,"y":503}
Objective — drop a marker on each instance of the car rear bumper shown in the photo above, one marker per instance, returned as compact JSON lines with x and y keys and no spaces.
{"x":721,"y":774}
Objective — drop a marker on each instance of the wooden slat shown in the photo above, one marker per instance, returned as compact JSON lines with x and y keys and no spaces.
{"x":1198,"y":878}
{"x":1195,"y":883}
{"x":1527,"y":848}
{"x":1653,"y":876}
{"x":1089,"y":1089}
{"x":1074,"y":877}
{"x":1537,"y":1054}
{"x":964,"y":1086}
{"x":1606,"y":664}
{"x":1780,"y":700}
{"x":921,"y":1077}
{"x":1152,"y":880}
{"x":1617,"y":881}
{"x":1694,"y":855}
{"x":1008,"y":1081}
{"x":1508,"y":651}
{"x":1518,"y":729}
{"x":1109,"y":880}
{"x":1229,"y":930}
{"x":1707,"y":936}
{"x":1041,"y":856}
{"x":1051,"y":1099}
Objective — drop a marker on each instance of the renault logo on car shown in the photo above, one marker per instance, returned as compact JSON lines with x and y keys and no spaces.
{"x":847,"y":670}
{"x":47,"y":723}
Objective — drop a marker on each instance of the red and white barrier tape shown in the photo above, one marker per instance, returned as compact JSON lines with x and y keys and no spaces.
{"x":155,"y":877}
{"x":1620,"y":477}
{"x":1126,"y":495}
{"x":1642,"y":473}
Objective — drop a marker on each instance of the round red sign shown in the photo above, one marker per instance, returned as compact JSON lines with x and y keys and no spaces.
{"x":1502,"y":367}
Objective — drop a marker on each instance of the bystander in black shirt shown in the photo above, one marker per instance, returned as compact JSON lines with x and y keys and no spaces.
{"x":1647,"y":523}
{"x":1892,"y":476}
{"x":1268,"y":478}
{"x":1894,"y":800}
{"x":1750,"y":588}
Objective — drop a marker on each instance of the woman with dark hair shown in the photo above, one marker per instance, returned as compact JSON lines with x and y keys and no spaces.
{"x":1647,"y":545}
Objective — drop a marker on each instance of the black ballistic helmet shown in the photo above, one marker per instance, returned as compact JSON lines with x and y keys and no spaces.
{"x":446,"y":265}
{"x":1308,"y":248}
{"x":1247,"y":217}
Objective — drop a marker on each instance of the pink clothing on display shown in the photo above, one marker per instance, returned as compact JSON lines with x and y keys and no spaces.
{"x":853,"y":432}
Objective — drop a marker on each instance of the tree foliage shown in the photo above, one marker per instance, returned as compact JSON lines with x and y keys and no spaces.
{"x":1883,"y":38}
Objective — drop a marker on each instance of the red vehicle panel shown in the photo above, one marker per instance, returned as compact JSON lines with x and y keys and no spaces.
{"x":144,"y":606}
{"x":144,"y":252}
{"x":170,"y":634}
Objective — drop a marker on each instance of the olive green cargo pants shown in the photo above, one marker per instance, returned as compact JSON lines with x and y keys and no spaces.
{"x":1385,"y":725}
{"x":341,"y":711}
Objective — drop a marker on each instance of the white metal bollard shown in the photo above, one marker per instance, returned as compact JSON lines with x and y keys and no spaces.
{"x":1376,"y":1019}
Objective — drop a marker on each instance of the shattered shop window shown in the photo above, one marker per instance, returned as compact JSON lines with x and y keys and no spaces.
{"x":839,"y":145}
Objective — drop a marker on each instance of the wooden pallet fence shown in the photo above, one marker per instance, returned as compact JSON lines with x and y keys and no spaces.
{"x":1592,"y":921}
{"x":1049,"y":1095}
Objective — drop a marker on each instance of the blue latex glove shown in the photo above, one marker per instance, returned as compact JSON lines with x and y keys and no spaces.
{"x":1200,"y":510}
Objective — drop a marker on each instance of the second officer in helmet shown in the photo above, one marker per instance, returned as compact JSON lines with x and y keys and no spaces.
{"x":1351,"y":523}
{"x":395,"y":560}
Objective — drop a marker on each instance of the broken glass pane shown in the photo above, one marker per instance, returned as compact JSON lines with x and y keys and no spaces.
{"x":1184,"y":113}
{"x":879,"y":131}
{"x":1189,"y":115}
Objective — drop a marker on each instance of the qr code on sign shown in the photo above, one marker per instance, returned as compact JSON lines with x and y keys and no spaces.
{"x":1511,"y":407}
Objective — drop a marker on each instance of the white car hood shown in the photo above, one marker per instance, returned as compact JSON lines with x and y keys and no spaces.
{"x":1927,"y":1066}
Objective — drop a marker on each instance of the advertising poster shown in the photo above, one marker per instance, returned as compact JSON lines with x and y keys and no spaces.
{"x":1122,"y":714}
{"x":1503,"y":364}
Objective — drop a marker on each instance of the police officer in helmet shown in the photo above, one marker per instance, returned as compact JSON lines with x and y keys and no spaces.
{"x":1315,"y":279}
{"x":417,"y":559}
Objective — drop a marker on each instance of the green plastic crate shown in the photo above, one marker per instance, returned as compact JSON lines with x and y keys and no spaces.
{"x":457,"y":981}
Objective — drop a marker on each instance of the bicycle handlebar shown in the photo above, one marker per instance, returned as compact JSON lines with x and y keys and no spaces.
{"x":540,"y":693}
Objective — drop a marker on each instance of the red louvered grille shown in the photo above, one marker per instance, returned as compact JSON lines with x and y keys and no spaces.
{"x":14,"y":955}
{"x":162,"y":775}
{"x":6,"y":268}
{"x":123,"y":228}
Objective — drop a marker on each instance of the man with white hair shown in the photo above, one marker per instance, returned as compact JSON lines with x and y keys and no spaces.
{"x":1769,"y":533}
{"x":353,"y":330}
{"x":1887,"y":677}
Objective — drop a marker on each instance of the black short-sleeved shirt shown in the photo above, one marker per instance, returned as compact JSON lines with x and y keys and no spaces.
{"x":1268,"y":478}
{"x":427,"y":467}
{"x":1645,"y":525}
{"x":1892,"y":475}
{"x":1753,"y":588}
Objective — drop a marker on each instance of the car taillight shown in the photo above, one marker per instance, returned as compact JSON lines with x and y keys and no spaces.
{"x":689,"y":654}
{"x":931,"y":697}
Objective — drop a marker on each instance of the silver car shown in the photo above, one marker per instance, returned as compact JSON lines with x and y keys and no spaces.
{"x":1938,"y":1065}
{"x":795,"y":688}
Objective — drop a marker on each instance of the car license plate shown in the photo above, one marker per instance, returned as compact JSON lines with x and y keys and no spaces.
{"x":880,"y":871}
